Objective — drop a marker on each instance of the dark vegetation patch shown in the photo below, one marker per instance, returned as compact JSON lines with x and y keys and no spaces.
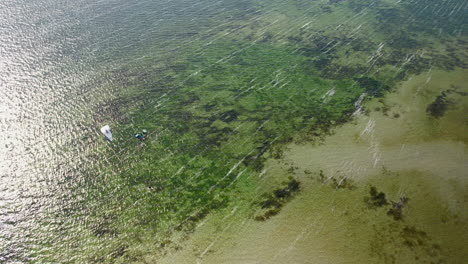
{"x":272,"y":203}
{"x":426,"y":21}
{"x":343,"y":183}
{"x":397,"y":208}
{"x":413,"y":237}
{"x":409,"y":240}
{"x":378,"y":199}
{"x":210,"y":106}
{"x":340,"y":182}
{"x":256,"y":159}
{"x":277,"y":152}
{"x":372,"y":86}
{"x":229,"y":116}
{"x":419,"y":241}
{"x":390,"y":16}
{"x":401,"y":41}
{"x":375,"y":198}
{"x":326,"y":9}
{"x":385,"y":108}
{"x":421,"y":244}
{"x":190,"y":222}
{"x":440,"y":105}
{"x":189,"y":98}
{"x":418,"y":65}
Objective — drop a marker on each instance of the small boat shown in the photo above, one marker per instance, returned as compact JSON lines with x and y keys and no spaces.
{"x":106,"y":130}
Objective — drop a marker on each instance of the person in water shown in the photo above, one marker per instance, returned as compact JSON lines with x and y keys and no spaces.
{"x":141,"y":136}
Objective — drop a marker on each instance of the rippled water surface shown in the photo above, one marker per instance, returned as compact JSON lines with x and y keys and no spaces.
{"x":225,"y":89}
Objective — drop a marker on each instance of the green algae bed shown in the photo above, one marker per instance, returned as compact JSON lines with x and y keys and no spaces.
{"x":232,"y":101}
{"x":405,"y":203}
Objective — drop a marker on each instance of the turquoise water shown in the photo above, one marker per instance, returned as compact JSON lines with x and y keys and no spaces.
{"x":220,"y":85}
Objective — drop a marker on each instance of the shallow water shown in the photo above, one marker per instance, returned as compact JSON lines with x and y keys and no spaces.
{"x":404,"y":137}
{"x":329,"y":224}
{"x":223,"y":87}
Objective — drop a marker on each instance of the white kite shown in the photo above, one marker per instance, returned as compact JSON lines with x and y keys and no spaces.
{"x":106,"y":130}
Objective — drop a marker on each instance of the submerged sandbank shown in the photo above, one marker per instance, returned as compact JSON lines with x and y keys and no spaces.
{"x":400,"y":148}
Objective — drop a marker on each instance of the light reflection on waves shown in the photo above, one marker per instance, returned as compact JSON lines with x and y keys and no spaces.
{"x":49,"y":78}
{"x":40,"y":112}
